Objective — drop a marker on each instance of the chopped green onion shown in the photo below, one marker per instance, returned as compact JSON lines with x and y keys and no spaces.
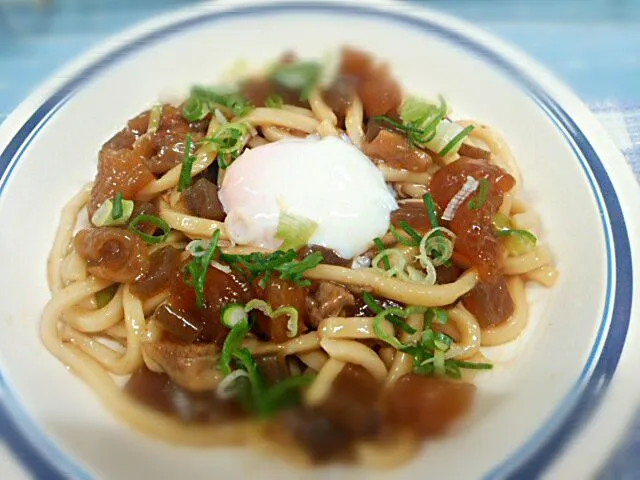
{"x":441,"y":341}
{"x":421,"y":119}
{"x":302,"y":76}
{"x":155,"y":115}
{"x":436,"y":314}
{"x":410,"y":231}
{"x":518,"y":242}
{"x":232,"y":314}
{"x":386,"y":315}
{"x":380,"y":246}
{"x":264,"y":307}
{"x":196,"y":271}
{"x":438,"y":362}
{"x":187,"y":164}
{"x":104,"y":296}
{"x":203,"y":101}
{"x":279,"y":396}
{"x":399,"y":264}
{"x":231,"y":344}
{"x":432,"y":214}
{"x":229,"y":141}
{"x":104,"y":215}
{"x":501,"y":222}
{"x":479,"y":200}
{"x":295,"y":231}
{"x":471,"y":365}
{"x":435,"y":247}
{"x":284,"y":263}
{"x":117,"y":212}
{"x":408,"y":242}
{"x":157,"y":221}
{"x":395,"y":320}
{"x":456,"y":141}
{"x":274,"y":101}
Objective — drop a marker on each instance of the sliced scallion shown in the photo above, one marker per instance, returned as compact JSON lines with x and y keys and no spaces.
{"x":157,"y":222}
{"x":264,"y":307}
{"x":294,"y":230}
{"x":117,"y":211}
{"x":518,"y":242}
{"x":232,"y":314}
{"x":104,"y":296}
{"x":187,"y":164}
{"x":274,"y":101}
{"x":455,"y":142}
{"x":479,"y":200}
{"x":104,"y":215}
{"x":380,"y":246}
{"x":155,"y":116}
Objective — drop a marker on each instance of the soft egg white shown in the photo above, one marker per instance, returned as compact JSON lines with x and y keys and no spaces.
{"x":325,"y":180}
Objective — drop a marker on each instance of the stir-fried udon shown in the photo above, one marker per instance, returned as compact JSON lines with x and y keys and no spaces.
{"x":307,"y":262}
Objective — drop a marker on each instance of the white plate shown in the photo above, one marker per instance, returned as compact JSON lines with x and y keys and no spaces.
{"x":581,"y":346}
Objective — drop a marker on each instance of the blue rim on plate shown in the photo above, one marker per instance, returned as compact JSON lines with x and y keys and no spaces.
{"x":45,"y":459}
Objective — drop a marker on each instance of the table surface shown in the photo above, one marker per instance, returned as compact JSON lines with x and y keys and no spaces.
{"x":593,"y":45}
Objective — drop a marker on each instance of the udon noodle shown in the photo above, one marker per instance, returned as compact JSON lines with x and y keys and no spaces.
{"x":315,"y":357}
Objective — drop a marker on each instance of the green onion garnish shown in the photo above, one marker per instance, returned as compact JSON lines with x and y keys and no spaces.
{"x":154,"y":119}
{"x":117,"y":211}
{"x":408,"y":242}
{"x":380,"y":246}
{"x":437,"y":315}
{"x":104,"y":296}
{"x":478,"y":200}
{"x":264,"y":307}
{"x":387,"y":314}
{"x":232,"y":314}
{"x":471,"y":365}
{"x":152,"y":219}
{"x":281,"y":262}
{"x":187,"y":164}
{"x":301,"y":76}
{"x":232,"y":344}
{"x":274,"y":101}
{"x":195,"y":272}
{"x":113,"y":212}
{"x":394,"y":319}
{"x":229,"y":140}
{"x":417,"y":238}
{"x":431,"y":210}
{"x":518,"y":242}
{"x":455,"y":141}
{"x":203,"y":101}
{"x":295,"y":231}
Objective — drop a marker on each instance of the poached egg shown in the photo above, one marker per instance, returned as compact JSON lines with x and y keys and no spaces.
{"x":328,"y":181}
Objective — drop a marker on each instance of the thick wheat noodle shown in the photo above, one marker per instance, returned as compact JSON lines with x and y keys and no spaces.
{"x":73,"y":268}
{"x":512,"y":327}
{"x":190,"y":225}
{"x":353,"y":121}
{"x":299,"y":110}
{"x":350,"y":351}
{"x":303,"y":343}
{"x":275,"y":134}
{"x":398,"y":290}
{"x":321,"y":386}
{"x":387,"y":354}
{"x":394,"y":175}
{"x":320,"y":109}
{"x":546,"y":275}
{"x":64,"y":235}
{"x":527,"y":262}
{"x":519,"y":206}
{"x":256,"y":141}
{"x":116,"y":362}
{"x":469,"y":331}
{"x":351,"y":328}
{"x":403,"y":362}
{"x":90,"y":321}
{"x":314,"y":360}
{"x":280,"y":118}
{"x":502,"y":155}
{"x":525,"y":221}
{"x":327,"y":129}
